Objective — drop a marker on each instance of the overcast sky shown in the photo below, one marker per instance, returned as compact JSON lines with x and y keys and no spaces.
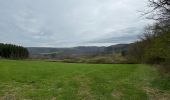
{"x":66,"y":23}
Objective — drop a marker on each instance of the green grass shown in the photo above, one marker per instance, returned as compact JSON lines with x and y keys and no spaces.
{"x":40,"y":80}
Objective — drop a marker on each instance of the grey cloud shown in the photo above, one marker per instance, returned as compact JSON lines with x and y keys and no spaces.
{"x":126,"y":35}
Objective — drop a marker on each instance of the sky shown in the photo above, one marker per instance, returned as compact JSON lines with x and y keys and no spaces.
{"x":69,"y":23}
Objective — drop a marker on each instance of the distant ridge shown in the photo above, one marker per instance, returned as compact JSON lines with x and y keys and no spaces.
{"x":76,"y":51}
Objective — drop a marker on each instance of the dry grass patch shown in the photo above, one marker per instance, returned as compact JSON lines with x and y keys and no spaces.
{"x":9,"y":96}
{"x":84,"y":91}
{"x":117,"y":94}
{"x":156,"y":94}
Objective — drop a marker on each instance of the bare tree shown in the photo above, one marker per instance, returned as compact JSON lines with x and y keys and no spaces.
{"x":160,"y":11}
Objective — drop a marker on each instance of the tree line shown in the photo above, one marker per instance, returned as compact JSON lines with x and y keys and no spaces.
{"x":154,"y":45}
{"x":13,"y":51}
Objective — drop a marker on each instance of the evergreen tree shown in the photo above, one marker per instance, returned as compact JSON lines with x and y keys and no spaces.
{"x":13,"y":51}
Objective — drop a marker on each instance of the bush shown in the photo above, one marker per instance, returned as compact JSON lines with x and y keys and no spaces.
{"x":100,"y":59}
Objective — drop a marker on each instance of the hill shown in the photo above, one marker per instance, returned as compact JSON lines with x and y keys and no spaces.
{"x":44,"y":52}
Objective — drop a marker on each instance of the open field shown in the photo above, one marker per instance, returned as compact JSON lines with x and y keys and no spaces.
{"x":40,"y":80}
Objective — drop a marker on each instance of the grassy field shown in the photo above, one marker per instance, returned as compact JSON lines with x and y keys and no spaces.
{"x":40,"y":80}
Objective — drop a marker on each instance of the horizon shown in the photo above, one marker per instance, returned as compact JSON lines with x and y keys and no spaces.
{"x":81,"y":46}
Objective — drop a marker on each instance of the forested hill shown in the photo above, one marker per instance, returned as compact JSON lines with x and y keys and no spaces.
{"x":45,"y":50}
{"x":81,"y":50}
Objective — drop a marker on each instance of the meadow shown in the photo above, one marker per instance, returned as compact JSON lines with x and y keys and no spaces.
{"x":42,"y":80}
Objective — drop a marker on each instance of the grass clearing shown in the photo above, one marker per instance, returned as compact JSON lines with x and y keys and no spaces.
{"x":39,"y":80}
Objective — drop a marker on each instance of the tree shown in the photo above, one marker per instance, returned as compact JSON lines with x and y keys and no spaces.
{"x":154,"y":44}
{"x":13,"y":51}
